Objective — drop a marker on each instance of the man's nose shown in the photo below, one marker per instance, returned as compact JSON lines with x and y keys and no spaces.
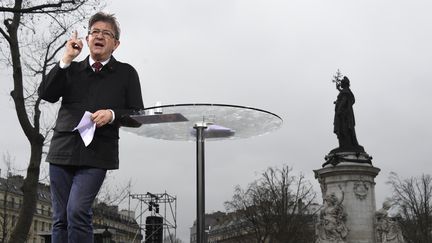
{"x":100,"y":36}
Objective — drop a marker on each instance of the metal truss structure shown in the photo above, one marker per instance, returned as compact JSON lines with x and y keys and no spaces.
{"x":156,"y":204}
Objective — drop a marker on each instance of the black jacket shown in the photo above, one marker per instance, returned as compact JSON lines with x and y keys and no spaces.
{"x":115,"y":87}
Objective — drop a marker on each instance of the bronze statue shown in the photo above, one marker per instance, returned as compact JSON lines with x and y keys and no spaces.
{"x":349,"y":149}
{"x":344,"y":121}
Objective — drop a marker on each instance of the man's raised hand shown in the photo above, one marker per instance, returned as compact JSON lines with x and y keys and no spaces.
{"x":73,"y":48}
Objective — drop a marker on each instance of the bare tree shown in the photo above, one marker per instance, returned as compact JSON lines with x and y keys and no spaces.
{"x":276,"y":207}
{"x":413,"y":197}
{"x":114,"y":192}
{"x":31,"y":35}
{"x":5,"y":188}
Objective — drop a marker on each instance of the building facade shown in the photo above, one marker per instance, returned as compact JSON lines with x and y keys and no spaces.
{"x":231,"y":228}
{"x":11,"y":201}
{"x":122,"y":225}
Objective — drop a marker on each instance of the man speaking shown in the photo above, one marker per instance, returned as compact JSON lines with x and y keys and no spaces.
{"x":105,"y":90}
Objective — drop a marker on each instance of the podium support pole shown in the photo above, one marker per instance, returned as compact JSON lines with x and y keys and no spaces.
{"x":200,"y":221}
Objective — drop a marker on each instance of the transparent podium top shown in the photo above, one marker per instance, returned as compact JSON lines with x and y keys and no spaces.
{"x":176,"y":122}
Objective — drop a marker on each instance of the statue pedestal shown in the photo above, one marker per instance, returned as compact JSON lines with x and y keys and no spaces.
{"x":353,"y":184}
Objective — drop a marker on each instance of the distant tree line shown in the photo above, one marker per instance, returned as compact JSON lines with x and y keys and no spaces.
{"x":413,"y":198}
{"x":276,"y":207}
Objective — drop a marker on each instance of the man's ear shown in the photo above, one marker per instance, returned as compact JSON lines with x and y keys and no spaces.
{"x":116,"y":44}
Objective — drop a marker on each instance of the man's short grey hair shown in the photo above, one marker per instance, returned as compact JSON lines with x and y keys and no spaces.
{"x":107,"y":18}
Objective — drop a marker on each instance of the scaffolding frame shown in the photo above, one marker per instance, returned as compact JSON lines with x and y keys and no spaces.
{"x":149,"y":205}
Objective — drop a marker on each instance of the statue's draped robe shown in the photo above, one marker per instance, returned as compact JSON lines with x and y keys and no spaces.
{"x":344,"y":121}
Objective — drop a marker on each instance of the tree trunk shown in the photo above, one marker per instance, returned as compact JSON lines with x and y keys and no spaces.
{"x":30,"y":185}
{"x":5,"y":213}
{"x":29,"y":188}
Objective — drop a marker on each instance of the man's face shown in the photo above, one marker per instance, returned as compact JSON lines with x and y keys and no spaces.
{"x":101,"y":41}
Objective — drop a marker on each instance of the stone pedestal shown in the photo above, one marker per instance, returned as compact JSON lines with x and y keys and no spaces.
{"x":353,"y":184}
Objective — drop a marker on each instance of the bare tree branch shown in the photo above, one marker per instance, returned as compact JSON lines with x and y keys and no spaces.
{"x":5,"y":35}
{"x":43,"y":8}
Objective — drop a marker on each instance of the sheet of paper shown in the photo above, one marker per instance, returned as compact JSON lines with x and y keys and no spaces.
{"x":86,"y":128}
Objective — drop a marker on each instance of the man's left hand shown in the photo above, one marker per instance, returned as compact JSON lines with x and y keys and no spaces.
{"x":102,"y":117}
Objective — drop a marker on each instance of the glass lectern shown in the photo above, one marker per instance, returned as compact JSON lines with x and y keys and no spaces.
{"x":201,"y":122}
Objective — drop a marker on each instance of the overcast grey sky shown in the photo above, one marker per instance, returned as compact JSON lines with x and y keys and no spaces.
{"x":274,"y":55}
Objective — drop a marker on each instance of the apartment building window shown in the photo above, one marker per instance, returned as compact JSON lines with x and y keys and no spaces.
{"x":35,"y":226}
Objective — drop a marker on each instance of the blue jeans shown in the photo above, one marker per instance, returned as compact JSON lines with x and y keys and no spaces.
{"x":73,"y":190}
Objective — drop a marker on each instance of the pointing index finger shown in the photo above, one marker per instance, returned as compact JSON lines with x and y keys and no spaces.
{"x":75,"y":41}
{"x":75,"y":35}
